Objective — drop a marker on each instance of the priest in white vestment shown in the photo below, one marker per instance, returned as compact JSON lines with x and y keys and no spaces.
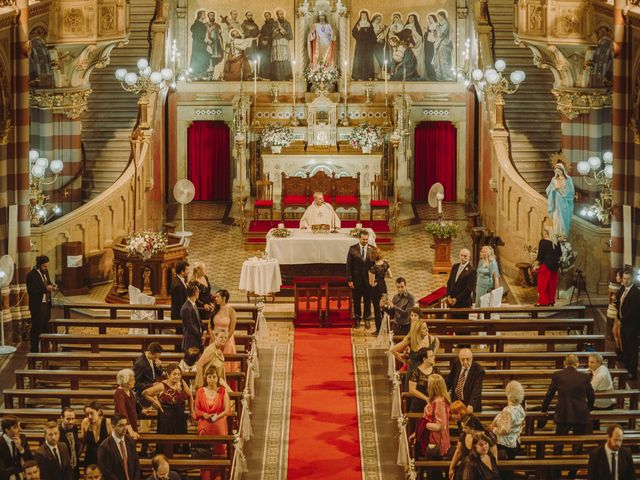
{"x":320,"y":213}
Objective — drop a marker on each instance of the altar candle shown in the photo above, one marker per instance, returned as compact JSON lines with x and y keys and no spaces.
{"x":293,"y":65}
{"x":255,"y":78}
{"x":346,"y":69}
{"x":386,"y":79}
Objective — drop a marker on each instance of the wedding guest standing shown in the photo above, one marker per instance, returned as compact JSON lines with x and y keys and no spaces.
{"x":378,"y":272}
{"x":358,"y":266}
{"x":70,"y":435}
{"x":205,"y":300}
{"x":460,"y":285}
{"x":547,"y":264}
{"x":124,"y":399}
{"x":191,"y":322}
{"x":628,"y":322}
{"x":94,"y":429}
{"x":487,"y":274}
{"x":53,"y":456}
{"x":39,"y":288}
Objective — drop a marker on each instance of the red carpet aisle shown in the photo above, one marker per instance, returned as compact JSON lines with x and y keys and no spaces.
{"x":323,"y":435}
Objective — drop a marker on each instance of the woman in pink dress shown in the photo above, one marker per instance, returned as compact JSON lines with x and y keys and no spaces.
{"x":224,"y":316}
{"x":211,"y":411}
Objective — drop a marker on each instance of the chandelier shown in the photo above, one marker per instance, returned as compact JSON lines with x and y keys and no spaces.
{"x":41,"y":211}
{"x":598,"y":172}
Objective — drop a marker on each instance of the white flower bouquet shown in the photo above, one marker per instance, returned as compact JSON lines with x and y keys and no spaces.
{"x":276,"y":135}
{"x":322,"y":73}
{"x":365,"y":136}
{"x":567,"y":258}
{"x":280,"y":232}
{"x":146,"y":244}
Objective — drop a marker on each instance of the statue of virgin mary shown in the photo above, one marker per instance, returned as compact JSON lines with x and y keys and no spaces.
{"x":560,"y":192}
{"x":321,"y":42}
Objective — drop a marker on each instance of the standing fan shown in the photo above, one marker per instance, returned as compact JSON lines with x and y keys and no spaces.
{"x":6,"y":275}
{"x":435,"y":198}
{"x":183,"y":192}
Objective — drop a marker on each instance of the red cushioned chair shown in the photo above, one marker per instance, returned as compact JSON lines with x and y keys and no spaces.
{"x":264,"y":198}
{"x":295,"y":192}
{"x":347,"y":192}
{"x":379,"y":199}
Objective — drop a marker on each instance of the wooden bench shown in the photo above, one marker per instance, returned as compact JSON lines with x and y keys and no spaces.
{"x":153,"y":326}
{"x":52,"y":342}
{"x":498,"y":342}
{"x":506,"y":359}
{"x":160,"y":310}
{"x":508,"y":311}
{"x":85,"y":360}
{"x":491,"y":326}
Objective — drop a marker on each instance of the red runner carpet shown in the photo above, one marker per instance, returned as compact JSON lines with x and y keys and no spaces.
{"x":323,"y":434}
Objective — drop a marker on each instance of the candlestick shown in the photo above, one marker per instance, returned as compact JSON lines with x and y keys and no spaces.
{"x":255,"y":78}
{"x":386,"y":79}
{"x":346,"y":69}
{"x":294,"y":117}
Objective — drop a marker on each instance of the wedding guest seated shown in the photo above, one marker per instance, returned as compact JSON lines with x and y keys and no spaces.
{"x":407,"y":349}
{"x":162,"y":469}
{"x":465,"y":380}
{"x":31,"y":470}
{"x":601,"y":381}
{"x":188,"y":362}
{"x":92,"y":472}
{"x":419,"y":379}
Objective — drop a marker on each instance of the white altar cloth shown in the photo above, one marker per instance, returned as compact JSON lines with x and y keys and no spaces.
{"x":261,"y":277}
{"x":305,"y":247}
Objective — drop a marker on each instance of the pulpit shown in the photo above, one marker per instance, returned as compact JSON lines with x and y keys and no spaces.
{"x":151,"y":275}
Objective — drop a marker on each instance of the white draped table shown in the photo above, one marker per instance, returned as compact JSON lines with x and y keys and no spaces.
{"x":260,"y":276}
{"x":304,"y":247}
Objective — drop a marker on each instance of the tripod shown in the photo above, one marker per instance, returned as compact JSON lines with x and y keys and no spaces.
{"x":580,"y":284}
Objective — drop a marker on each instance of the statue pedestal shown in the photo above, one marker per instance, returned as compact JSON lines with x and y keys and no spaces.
{"x":442,"y":261}
{"x":151,"y":275}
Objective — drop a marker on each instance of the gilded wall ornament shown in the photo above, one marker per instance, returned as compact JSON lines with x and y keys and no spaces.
{"x":73,"y":20}
{"x":107,"y":18}
{"x":569,"y":22}
{"x":72,"y":103}
{"x":574,"y":102}
{"x":535,"y":18}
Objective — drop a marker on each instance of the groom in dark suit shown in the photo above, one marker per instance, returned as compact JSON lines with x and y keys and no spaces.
{"x":358,"y":265}
{"x":461,"y":283}
{"x":191,"y":323}
{"x":611,"y":459}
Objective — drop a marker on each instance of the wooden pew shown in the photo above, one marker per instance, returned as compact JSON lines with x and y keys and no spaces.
{"x":498,"y":342}
{"x":153,"y":326}
{"x":505,"y":360}
{"x":507,"y":311}
{"x":491,"y":326}
{"x":52,"y":342}
{"x":86,"y":360}
{"x":159,"y":309}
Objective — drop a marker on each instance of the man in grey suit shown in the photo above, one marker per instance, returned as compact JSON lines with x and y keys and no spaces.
{"x":191,"y":323}
{"x":162,"y":469}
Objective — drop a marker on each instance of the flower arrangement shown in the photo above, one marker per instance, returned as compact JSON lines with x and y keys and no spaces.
{"x":365,"y":136}
{"x":355,"y":232}
{"x":531,"y":250}
{"x":276,"y":135}
{"x":442,"y":230}
{"x":146,"y":244}
{"x":280,"y":232}
{"x":567,"y":258}
{"x":322,"y":73}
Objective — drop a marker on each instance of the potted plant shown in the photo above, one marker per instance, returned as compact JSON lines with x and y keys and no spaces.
{"x":276,"y":136}
{"x":366,"y":137}
{"x":322,"y":76}
{"x":442,"y":233}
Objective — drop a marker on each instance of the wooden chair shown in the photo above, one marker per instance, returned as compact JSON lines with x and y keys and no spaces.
{"x":321,"y":182}
{"x":379,"y":199}
{"x":347,"y":192}
{"x":295,"y":193}
{"x":264,"y":197}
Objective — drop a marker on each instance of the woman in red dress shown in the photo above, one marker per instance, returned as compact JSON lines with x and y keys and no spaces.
{"x":211,"y":411}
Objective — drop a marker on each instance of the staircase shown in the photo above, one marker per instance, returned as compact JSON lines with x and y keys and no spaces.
{"x":530,"y":114}
{"x":112,"y":112}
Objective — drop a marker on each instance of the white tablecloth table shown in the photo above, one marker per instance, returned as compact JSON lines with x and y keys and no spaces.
{"x":305,"y":247}
{"x":260,"y":276}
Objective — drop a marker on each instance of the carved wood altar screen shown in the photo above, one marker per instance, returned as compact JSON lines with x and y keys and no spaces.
{"x":435,"y":159}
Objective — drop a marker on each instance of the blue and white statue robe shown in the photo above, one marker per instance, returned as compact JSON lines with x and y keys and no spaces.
{"x":560,"y":206}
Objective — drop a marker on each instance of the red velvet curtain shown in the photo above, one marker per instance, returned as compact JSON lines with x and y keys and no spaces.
{"x":434,"y":159}
{"x":209,"y":160}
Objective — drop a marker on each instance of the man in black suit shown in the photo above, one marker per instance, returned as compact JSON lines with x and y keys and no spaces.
{"x":179,"y":291}
{"x":31,"y":470}
{"x":148,"y":368}
{"x":358,"y":265}
{"x":39,"y":288}
{"x":465,"y":380}
{"x":53,"y":456}
{"x":69,"y":436}
{"x":14,"y":449}
{"x":575,"y":401}
{"x":117,"y":456}
{"x":191,"y":322}
{"x":627,"y":322}
{"x":461,"y":283}
{"x":611,"y":461}
{"x":162,"y":469}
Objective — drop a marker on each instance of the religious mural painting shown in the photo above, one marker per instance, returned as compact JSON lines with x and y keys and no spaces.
{"x":414,"y":40}
{"x":231,"y":40}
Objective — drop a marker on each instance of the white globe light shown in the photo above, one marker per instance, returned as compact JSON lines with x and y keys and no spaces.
{"x":517,"y":77}
{"x":56,"y":166}
{"x":607,"y":157}
{"x":492,"y":76}
{"x":167,"y":73}
{"x":57,"y":210}
{"x":43,"y":162}
{"x":121,"y":73}
{"x":155,"y":77}
{"x":583,"y":167}
{"x":477,"y":74}
{"x":147,"y":71}
{"x":500,"y":65}
{"x":594,"y":162}
{"x":130,"y":78}
{"x":37,"y":171}
{"x":33,"y":155}
{"x":608,"y":171}
{"x":142,"y":63}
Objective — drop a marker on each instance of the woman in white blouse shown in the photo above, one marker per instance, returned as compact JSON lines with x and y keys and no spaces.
{"x":601,"y":381}
{"x":509,"y":423}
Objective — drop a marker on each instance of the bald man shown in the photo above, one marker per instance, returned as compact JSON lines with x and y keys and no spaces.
{"x":320,"y":213}
{"x":465,"y":380}
{"x":462,"y":282}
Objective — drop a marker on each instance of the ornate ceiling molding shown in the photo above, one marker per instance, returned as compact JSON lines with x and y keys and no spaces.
{"x":573,"y":102}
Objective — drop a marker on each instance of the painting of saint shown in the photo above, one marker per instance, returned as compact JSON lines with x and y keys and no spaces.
{"x":429,"y":48}
{"x":321,"y":42}
{"x":214,"y":41}
{"x":380,"y":52}
{"x":237,"y":66}
{"x":200,"y":58}
{"x":413,"y":25}
{"x":280,"y":52}
{"x":443,"y":48}
{"x":250,"y":29}
{"x":405,"y":63}
{"x":265,"y":42}
{"x":363,"y":57}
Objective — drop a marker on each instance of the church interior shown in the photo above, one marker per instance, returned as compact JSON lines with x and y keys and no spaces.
{"x":319,"y":239}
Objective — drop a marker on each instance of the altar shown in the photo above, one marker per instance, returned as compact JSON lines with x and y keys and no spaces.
{"x":304,"y":247}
